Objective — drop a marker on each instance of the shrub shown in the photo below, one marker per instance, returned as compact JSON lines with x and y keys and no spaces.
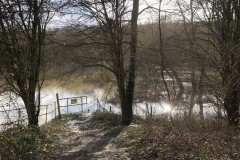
{"x":23,"y":143}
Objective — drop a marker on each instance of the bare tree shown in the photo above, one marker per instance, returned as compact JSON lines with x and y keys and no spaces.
{"x":190,"y":35}
{"x":106,"y":29}
{"x":222,"y":19}
{"x":23,"y":30}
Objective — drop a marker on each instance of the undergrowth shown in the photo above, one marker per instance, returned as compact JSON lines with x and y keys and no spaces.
{"x":149,"y":139}
{"x":22,"y":143}
{"x":25,"y":144}
{"x":186,"y":139}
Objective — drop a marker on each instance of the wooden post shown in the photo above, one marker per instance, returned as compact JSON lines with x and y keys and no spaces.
{"x":110,"y":109}
{"x":46,"y":112}
{"x":67,"y":105}
{"x":99,"y":106}
{"x":151,"y":113}
{"x":19,"y":117}
{"x":55,"y":109}
{"x":58,"y":106}
{"x":81,"y":104}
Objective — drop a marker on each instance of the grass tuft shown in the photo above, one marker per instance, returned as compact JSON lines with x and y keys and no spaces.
{"x":105,"y":117}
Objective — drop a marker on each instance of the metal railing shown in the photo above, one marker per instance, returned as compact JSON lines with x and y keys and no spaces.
{"x":73,"y":101}
{"x":50,"y":111}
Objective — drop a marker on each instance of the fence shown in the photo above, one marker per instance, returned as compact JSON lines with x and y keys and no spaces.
{"x":47,"y":112}
{"x":19,"y":117}
{"x":72,"y":101}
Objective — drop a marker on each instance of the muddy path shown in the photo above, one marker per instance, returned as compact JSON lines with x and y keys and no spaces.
{"x":84,"y":140}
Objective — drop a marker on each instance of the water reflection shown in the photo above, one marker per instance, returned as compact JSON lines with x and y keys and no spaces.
{"x":96,"y":99}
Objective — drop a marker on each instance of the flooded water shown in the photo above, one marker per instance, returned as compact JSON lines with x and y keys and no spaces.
{"x":96,"y":98}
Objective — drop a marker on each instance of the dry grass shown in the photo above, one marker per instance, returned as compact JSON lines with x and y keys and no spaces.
{"x":158,"y":139}
{"x":148,"y":139}
{"x":105,"y":117}
{"x":28,"y":144}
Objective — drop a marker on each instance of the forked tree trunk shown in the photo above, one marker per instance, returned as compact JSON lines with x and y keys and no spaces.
{"x":31,"y":108}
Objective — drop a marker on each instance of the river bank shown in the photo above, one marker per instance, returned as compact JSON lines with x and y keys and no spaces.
{"x":101,"y":136}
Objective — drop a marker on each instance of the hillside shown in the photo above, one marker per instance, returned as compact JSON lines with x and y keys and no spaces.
{"x":101,"y":136}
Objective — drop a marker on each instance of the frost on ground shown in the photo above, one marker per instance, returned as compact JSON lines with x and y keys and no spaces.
{"x":84,"y":140}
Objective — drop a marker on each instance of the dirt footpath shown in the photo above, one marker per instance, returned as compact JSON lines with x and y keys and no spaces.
{"x":91,"y":141}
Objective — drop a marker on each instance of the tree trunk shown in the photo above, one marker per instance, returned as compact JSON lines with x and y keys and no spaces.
{"x":23,"y":49}
{"x":33,"y":121}
{"x":181,"y":89}
{"x":226,"y":16}
{"x":230,"y":80}
{"x":127,"y":113}
{"x":122,"y":94}
{"x":32,"y":112}
{"x":200,"y":94}
{"x":193,"y":94}
{"x":127,"y":109}
{"x":231,"y":103}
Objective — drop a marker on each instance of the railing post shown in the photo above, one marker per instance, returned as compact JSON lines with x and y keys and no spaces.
{"x":67,"y":105}
{"x":82,"y":104}
{"x":55,"y":110}
{"x":58,"y":106}
{"x":98,"y":105}
{"x":46,"y":112}
{"x":151,"y":112}
{"x":19,"y":116}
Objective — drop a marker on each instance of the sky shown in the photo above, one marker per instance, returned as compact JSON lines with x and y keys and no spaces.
{"x":169,"y":9}
{"x":149,"y":15}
